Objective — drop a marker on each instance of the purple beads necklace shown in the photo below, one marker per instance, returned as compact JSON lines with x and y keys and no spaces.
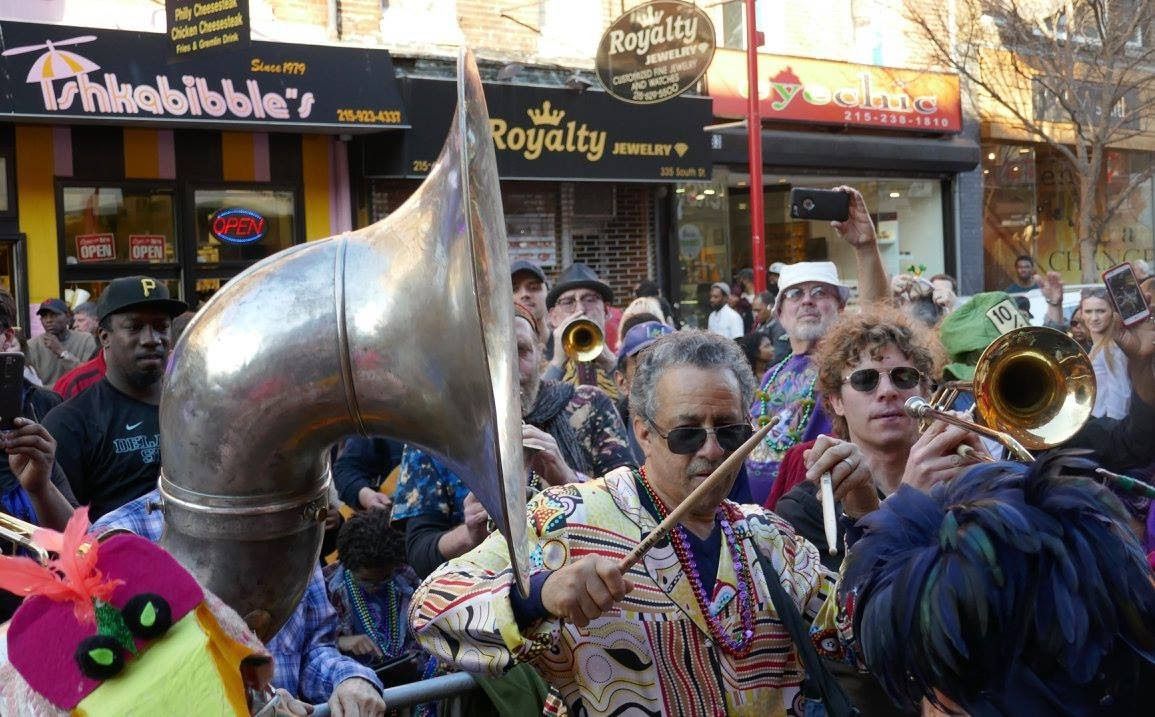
{"x":726,"y":514}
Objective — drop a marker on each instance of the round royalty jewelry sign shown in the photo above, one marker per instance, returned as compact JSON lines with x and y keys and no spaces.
{"x":655,"y":52}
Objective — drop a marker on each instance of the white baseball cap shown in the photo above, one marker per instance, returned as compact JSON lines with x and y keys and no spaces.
{"x":824,"y":272}
{"x":777,"y":267}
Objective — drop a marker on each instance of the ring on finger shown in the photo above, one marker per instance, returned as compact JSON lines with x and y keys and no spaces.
{"x":849,"y":463}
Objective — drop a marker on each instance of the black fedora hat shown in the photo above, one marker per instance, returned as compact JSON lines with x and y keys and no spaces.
{"x":579,"y":276}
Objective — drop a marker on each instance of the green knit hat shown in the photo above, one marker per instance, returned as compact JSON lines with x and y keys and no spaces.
{"x":972,"y":327}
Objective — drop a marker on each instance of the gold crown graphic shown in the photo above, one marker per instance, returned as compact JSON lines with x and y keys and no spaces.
{"x":649,"y":17}
{"x":546,"y":115}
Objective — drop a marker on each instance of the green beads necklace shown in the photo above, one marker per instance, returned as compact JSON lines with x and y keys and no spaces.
{"x":806,"y":405}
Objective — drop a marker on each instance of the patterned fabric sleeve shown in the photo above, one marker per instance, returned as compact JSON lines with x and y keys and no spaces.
{"x":598,"y":425}
{"x":462,"y":613}
{"x":812,"y":587}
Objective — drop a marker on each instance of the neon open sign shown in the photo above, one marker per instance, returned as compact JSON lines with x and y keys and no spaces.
{"x":238,"y":226}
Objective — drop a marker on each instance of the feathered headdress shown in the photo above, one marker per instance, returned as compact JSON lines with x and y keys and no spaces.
{"x":1013,"y":589}
{"x":92,"y":617}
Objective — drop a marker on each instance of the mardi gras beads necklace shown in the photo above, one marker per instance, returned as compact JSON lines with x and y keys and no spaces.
{"x":805,"y":406}
{"x":390,"y":645}
{"x":735,"y":648}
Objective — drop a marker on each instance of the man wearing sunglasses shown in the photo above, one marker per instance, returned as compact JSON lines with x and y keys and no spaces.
{"x":868,"y":366}
{"x":690,"y":629}
{"x":810,"y":297}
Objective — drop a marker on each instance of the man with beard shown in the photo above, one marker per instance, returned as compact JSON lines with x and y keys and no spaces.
{"x":530,"y":288}
{"x":810,"y":297}
{"x":108,"y":437}
{"x":724,"y":320}
{"x":59,"y":349}
{"x":569,"y":432}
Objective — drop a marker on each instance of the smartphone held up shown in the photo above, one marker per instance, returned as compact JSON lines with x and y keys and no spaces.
{"x":819,"y":204}
{"x":1123,"y":287}
{"x":11,"y":388}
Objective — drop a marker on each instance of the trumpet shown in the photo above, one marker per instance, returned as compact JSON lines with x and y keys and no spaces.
{"x":582,"y":339}
{"x":19,"y":533}
{"x":1034,"y":388}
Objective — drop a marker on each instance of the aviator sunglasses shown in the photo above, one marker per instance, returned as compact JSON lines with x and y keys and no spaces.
{"x":866,"y":379}
{"x":688,"y":439}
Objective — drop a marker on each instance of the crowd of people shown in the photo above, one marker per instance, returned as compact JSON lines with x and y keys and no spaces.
{"x":998,"y":589}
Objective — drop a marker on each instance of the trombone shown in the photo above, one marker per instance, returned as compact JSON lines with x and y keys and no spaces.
{"x":19,"y":533}
{"x":1034,"y":388}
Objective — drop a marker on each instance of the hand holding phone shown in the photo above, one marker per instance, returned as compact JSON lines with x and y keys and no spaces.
{"x":11,"y":388}
{"x":1123,"y":286}
{"x":819,"y":204}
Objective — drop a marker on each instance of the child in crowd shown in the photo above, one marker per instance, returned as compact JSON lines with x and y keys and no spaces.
{"x":371,"y":587}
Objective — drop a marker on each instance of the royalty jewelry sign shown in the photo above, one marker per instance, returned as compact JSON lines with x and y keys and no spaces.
{"x":655,"y":52}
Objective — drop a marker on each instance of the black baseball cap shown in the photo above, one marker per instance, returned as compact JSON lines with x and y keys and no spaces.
{"x":522,"y":265}
{"x":55,"y":306}
{"x":134,"y":292}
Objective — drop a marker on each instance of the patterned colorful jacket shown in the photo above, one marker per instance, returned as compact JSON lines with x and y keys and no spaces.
{"x":652,"y":653}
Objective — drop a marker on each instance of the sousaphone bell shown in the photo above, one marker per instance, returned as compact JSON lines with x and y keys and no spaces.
{"x":402,"y":329}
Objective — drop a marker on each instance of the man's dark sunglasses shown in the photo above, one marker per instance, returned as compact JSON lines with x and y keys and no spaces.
{"x":866,"y":379}
{"x":688,"y":439}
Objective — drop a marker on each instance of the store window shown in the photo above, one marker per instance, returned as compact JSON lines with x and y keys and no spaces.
{"x":117,"y":225}
{"x":701,"y":232}
{"x":714,"y":237}
{"x":240,"y":226}
{"x":1032,"y":207}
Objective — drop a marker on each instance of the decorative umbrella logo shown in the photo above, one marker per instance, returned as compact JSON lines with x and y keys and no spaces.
{"x":56,"y":64}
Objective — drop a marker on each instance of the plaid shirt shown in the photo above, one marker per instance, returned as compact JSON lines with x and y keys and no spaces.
{"x":305,"y":657}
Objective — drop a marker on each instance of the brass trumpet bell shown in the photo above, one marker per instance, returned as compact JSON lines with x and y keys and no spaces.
{"x":582,"y":340}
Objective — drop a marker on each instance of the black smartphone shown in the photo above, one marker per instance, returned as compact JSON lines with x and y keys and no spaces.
{"x":1123,"y":286}
{"x":819,"y":204}
{"x":11,"y":388}
{"x":399,"y":670}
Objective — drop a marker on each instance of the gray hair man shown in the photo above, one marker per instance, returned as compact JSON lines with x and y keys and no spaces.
{"x":615,"y":642}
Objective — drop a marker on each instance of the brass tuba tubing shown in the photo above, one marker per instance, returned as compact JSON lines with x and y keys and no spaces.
{"x":250,"y":406}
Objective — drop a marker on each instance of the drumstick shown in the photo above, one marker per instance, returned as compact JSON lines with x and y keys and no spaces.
{"x":829,"y":520}
{"x":722,"y":472}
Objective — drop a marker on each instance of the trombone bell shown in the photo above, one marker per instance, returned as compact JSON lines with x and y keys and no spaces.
{"x":1036,"y":384}
{"x":582,"y":340}
{"x":1034,"y":388}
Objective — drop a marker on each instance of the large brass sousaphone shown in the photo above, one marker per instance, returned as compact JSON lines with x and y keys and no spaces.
{"x":1034,"y":388}
{"x":404,"y":328}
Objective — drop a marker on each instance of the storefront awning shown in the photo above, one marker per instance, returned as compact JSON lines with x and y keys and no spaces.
{"x":58,"y":73}
{"x":553,"y":133}
{"x":823,"y":150}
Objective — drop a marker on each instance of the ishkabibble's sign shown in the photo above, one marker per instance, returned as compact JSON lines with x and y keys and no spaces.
{"x":799,"y":89}
{"x":205,"y":26}
{"x":548,"y":133}
{"x":655,"y":52}
{"x":70,"y":73}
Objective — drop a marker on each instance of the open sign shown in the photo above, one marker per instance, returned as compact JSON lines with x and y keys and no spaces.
{"x":146,"y":247}
{"x":238,"y":226}
{"x":95,"y":247}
